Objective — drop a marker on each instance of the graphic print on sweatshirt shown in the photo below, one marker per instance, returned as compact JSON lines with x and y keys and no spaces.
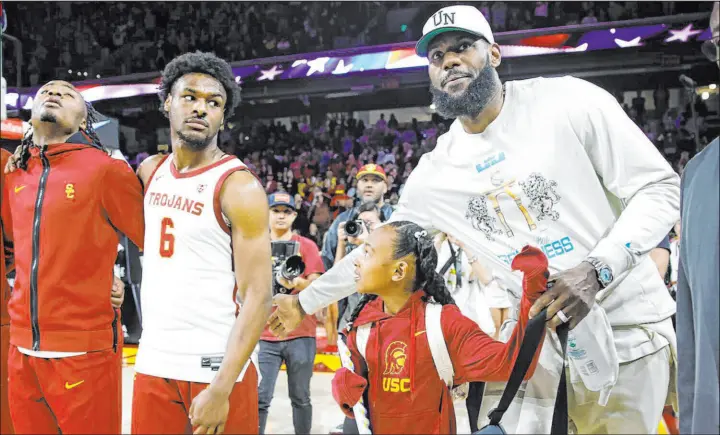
{"x":536,"y":193}
{"x":395,"y":374}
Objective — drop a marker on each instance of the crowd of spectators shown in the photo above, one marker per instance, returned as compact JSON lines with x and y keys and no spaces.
{"x":509,"y":16}
{"x":84,"y":40}
{"x":318,"y":165}
{"x":671,"y":128}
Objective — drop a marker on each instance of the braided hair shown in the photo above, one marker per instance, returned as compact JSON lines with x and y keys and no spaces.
{"x":410,"y":238}
{"x":93,"y":116}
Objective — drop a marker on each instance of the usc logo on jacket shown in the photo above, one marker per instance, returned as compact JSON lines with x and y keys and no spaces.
{"x":395,"y":358}
{"x":70,"y":191}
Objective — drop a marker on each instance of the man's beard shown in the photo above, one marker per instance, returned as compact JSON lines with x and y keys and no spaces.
{"x":48,"y":117}
{"x":372,"y":197}
{"x":197,"y":144}
{"x":481,"y":90}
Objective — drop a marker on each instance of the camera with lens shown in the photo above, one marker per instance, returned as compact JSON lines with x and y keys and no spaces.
{"x":354,"y":227}
{"x":286,"y":263}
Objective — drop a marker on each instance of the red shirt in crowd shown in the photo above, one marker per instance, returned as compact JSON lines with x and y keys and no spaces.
{"x":313,"y":264}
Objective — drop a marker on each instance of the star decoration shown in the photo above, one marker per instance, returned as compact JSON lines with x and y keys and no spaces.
{"x":317,"y":65}
{"x":270,"y":74}
{"x":342,"y":69}
{"x":683,"y":35}
{"x":632,"y":43}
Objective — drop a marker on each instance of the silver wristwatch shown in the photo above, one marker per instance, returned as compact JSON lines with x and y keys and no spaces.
{"x":604,"y":272}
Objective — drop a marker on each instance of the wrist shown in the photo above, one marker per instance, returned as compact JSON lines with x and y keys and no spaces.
{"x":602,"y":272}
{"x":298,"y":305}
{"x":219,"y":389}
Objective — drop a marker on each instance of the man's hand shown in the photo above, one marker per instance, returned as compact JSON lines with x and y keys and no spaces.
{"x":13,"y":160}
{"x":573,"y":291}
{"x":209,"y":411}
{"x":288,"y":315}
{"x":117,"y":295}
{"x":341,"y":235}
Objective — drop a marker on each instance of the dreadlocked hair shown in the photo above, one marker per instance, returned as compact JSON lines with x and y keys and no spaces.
{"x":93,"y":116}
{"x":410,"y":238}
{"x":203,"y":63}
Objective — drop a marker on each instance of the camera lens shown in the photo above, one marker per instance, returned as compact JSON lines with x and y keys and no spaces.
{"x":353,"y":228}
{"x":293,"y":267}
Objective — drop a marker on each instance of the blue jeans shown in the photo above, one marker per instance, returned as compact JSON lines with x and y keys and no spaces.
{"x":299,"y":357}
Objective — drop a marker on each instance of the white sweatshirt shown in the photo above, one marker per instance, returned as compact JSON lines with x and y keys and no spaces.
{"x":562,"y":168}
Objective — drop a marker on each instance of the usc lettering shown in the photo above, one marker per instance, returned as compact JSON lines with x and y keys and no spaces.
{"x":176,"y":202}
{"x":395,"y":385}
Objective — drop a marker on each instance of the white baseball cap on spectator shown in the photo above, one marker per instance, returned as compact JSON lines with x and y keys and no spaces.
{"x":460,"y":18}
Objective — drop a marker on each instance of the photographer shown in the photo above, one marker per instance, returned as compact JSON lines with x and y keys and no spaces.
{"x":371,"y":186}
{"x":352,"y":234}
{"x":297,"y":351}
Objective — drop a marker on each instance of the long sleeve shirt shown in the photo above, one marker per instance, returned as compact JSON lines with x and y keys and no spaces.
{"x":562,"y":168}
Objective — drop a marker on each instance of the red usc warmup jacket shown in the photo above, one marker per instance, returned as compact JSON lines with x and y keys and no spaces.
{"x":6,"y":426}
{"x":5,"y":242}
{"x":66,"y":208}
{"x":405,"y":392}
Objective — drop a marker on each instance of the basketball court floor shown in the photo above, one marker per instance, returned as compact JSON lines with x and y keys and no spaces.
{"x":326,"y":414}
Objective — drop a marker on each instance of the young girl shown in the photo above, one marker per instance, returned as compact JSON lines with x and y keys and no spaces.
{"x":404,"y":391}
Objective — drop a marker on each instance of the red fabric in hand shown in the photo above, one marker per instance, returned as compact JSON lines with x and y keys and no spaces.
{"x":533,"y":264}
{"x":347,"y":389}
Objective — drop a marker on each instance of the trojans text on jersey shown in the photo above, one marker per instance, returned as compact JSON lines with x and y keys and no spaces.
{"x":177,"y":202}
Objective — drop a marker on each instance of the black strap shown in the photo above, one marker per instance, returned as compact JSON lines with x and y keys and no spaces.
{"x":531,"y":342}
{"x":450,"y":261}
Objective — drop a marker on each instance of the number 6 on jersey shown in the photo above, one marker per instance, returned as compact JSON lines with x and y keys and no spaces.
{"x":167,"y":240}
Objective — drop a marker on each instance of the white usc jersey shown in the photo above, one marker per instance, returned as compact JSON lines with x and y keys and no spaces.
{"x":188,"y":286}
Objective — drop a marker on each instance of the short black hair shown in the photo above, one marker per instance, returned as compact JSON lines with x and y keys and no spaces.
{"x":370,"y":206}
{"x":203,"y":63}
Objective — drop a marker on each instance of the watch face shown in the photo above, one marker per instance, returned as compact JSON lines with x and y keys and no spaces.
{"x":605,"y":275}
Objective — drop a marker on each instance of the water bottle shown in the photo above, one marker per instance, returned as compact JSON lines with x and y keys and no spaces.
{"x":591,"y":349}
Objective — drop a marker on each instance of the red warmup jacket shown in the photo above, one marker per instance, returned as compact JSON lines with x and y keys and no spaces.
{"x":406,"y":394}
{"x":5,"y":243}
{"x":66,"y":208}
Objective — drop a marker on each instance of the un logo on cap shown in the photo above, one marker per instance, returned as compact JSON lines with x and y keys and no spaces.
{"x":443,"y":19}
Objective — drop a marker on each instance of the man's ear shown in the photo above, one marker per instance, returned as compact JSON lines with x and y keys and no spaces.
{"x":83,"y":124}
{"x":166,"y":104}
{"x":495,"y":55}
{"x":401,"y":271}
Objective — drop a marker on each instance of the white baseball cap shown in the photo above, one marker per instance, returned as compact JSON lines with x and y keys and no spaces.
{"x":461,"y":18}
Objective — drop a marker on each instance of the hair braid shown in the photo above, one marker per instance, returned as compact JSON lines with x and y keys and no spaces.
{"x":93,"y":116}
{"x":412,"y":239}
{"x":358,"y":308}
{"x":25,"y":144}
{"x":431,"y":281}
